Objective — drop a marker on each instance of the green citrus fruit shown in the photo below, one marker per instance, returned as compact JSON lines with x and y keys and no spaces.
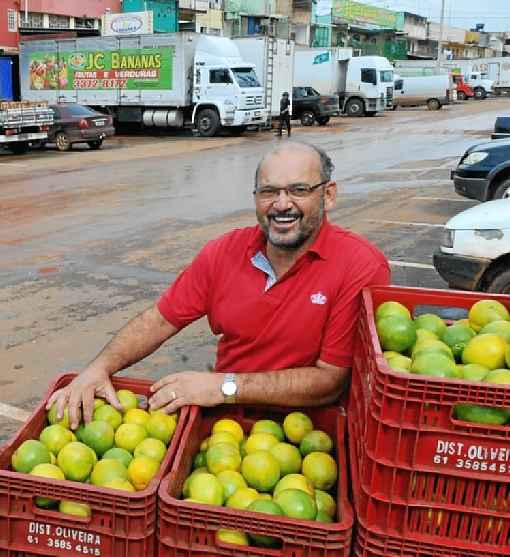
{"x":288,"y":457}
{"x":474,"y":372}
{"x":128,"y":399}
{"x":434,"y":364}
{"x":323,"y":517}
{"x":223,"y":457}
{"x":107,"y":470}
{"x":47,"y":471}
{"x":260,"y":442}
{"x":428,"y":346}
{"x":200,"y":459}
{"x":485,"y":350}
{"x":294,"y":481}
{"x":396,"y":333}
{"x":55,"y":437}
{"x":400,"y":363}
{"x":161,"y":426}
{"x":296,"y":504}
{"x":260,"y":470}
{"x":28,"y":455}
{"x":74,"y":508}
{"x":129,"y":436}
{"x":457,"y":337}
{"x":325,"y":503}
{"x":432,"y":323}
{"x":226,"y":424}
{"x":231,"y":482}
{"x":267,"y":507}
{"x":119,"y":483}
{"x":107,"y":413}
{"x":76,"y":460}
{"x":320,"y":469}
{"x":52,"y":416}
{"x":123,"y":456}
{"x":136,"y":416}
{"x":296,"y":425}
{"x":99,"y":436}
{"x":485,"y":311}
{"x":392,"y":308}
{"x":185,"y":485}
{"x":231,"y":537}
{"x":141,"y":470}
{"x":206,"y":488}
{"x":153,"y":448}
{"x":500,"y":327}
{"x":222,"y":437}
{"x":481,"y":414}
{"x":316,"y":440}
{"x":242,"y":498}
{"x":268,"y":426}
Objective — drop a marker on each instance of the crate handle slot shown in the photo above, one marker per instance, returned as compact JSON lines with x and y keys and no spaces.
{"x":56,"y":514}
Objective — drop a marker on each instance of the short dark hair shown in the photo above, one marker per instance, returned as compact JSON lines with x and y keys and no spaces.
{"x":326,"y":164}
{"x":285,"y":94}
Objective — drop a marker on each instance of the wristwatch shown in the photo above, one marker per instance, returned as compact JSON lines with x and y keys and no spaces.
{"x":229,"y":388}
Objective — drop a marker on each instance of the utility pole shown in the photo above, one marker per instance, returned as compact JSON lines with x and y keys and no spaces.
{"x":441,"y":34}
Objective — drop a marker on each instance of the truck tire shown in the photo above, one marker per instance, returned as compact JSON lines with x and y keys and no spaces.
{"x":461,"y":96}
{"x":433,"y":104}
{"x":500,"y":283}
{"x":480,"y":93}
{"x":307,"y":118}
{"x":18,"y":148}
{"x":208,"y":122}
{"x":502,"y":190}
{"x":355,"y":107}
{"x":323,"y":120}
{"x":62,"y":142}
{"x":95,"y":145}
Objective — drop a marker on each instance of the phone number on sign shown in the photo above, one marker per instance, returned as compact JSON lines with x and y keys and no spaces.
{"x":99,"y":83}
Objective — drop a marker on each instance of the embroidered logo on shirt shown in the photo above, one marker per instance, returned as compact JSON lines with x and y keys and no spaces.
{"x":318,"y":298}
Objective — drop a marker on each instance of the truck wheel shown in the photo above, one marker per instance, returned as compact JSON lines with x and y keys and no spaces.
{"x":500,"y":284}
{"x":18,"y":148}
{"x":355,"y":107}
{"x":208,"y":122}
{"x":480,"y":93}
{"x":95,"y":144}
{"x":62,"y":142}
{"x":322,"y":120}
{"x":503,"y":190}
{"x":461,"y":96}
{"x":307,"y":118}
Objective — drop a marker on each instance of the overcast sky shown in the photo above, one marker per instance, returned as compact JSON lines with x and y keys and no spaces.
{"x":459,"y":13}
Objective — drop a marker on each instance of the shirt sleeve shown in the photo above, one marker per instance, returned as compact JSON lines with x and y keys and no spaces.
{"x":338,"y":340}
{"x":187,"y":299}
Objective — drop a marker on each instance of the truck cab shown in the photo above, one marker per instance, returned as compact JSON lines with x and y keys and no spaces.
{"x":480,"y":84}
{"x":464,"y":91}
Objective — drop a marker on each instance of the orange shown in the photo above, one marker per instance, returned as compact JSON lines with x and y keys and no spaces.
{"x":128,"y":436}
{"x":136,"y":416}
{"x":107,"y":470}
{"x":296,"y":504}
{"x":486,"y":350}
{"x":485,"y":311}
{"x":55,"y":437}
{"x":28,"y":455}
{"x":296,"y":425}
{"x":128,"y":399}
{"x":107,"y":413}
{"x":288,"y":457}
{"x":261,"y":470}
{"x":320,"y":469}
{"x":98,"y":436}
{"x":226,"y":424}
{"x":76,"y":460}
{"x":47,"y":471}
{"x":141,"y":471}
{"x":161,"y":426}
{"x":268,"y":426}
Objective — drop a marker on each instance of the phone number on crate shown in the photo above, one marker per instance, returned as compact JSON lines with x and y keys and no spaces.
{"x":472,"y":457}
{"x":61,"y":537}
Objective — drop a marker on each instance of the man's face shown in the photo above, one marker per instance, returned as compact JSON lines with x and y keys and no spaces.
{"x":287,"y":222}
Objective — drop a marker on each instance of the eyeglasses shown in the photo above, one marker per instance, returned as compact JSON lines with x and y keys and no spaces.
{"x":295,"y":191}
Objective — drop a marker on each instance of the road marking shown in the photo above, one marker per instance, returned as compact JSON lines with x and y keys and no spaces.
{"x":13,"y":412}
{"x":405,"y":223}
{"x":445,"y":199}
{"x":411,"y":265}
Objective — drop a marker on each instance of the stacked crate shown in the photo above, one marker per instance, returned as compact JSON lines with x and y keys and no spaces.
{"x":424,"y":483}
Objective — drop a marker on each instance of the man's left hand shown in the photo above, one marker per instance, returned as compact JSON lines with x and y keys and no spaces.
{"x":186,"y":388}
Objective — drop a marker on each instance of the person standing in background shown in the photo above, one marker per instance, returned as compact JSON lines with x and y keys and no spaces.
{"x":284,"y":114}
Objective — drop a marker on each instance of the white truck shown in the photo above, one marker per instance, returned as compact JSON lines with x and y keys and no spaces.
{"x":163,"y":80}
{"x":274,"y":64}
{"x":22,"y":122}
{"x":364,"y":84}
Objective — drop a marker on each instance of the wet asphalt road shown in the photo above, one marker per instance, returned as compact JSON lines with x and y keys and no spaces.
{"x":88,"y":239}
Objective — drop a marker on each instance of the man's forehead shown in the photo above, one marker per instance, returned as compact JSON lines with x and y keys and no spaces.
{"x":290,"y":165}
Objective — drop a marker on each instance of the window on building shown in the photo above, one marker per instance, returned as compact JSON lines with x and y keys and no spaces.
{"x":12,"y":21}
{"x":58,"y":21}
{"x":34,"y":21}
{"x":84,"y":23}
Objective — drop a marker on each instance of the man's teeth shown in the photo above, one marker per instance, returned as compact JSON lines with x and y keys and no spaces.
{"x":285,"y":219}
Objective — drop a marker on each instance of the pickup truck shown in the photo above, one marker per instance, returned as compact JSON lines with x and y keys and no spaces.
{"x":22,"y":122}
{"x":310,"y":106}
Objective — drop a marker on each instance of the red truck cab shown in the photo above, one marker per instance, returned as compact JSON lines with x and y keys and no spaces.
{"x":464,"y":91}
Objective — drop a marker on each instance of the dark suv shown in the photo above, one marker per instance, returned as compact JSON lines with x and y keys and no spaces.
{"x":483,"y":172}
{"x":309,"y":106}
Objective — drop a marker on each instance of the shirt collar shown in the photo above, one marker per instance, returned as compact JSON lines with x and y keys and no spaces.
{"x":319,"y":246}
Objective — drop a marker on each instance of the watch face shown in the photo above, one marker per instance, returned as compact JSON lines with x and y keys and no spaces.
{"x":229,"y":388}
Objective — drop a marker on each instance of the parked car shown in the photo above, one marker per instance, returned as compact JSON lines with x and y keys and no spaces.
{"x":475,"y":249}
{"x":75,"y":123}
{"x":432,"y":91}
{"x":501,"y":128}
{"x":309,"y":106}
{"x":483,"y":172}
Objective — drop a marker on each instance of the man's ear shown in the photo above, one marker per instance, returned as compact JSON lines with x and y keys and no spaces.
{"x":330,"y":193}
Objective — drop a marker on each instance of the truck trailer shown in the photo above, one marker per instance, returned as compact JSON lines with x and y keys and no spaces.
{"x":164,"y":80}
{"x":364,"y":84}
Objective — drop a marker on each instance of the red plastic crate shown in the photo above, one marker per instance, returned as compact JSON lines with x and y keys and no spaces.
{"x":122,"y":524}
{"x":408,"y":420}
{"x":188,"y":529}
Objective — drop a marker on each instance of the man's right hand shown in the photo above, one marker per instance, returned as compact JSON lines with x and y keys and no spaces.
{"x":79,"y":396}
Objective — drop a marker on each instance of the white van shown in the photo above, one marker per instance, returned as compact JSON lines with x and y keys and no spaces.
{"x":432,"y":91}
{"x":475,"y":249}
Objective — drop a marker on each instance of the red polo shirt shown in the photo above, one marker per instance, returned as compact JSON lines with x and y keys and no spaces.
{"x":308,"y":314}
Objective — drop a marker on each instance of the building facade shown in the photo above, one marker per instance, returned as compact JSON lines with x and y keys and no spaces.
{"x":9,"y":30}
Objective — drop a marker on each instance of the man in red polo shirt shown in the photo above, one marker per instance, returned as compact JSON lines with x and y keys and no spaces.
{"x":283,"y":297}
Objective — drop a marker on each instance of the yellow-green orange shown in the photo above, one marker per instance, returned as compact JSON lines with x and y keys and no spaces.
{"x":128,"y":399}
{"x":323,"y":517}
{"x":76,"y":461}
{"x":107,"y":470}
{"x":223,"y":457}
{"x":118,"y":483}
{"x":123,"y":456}
{"x":99,"y":436}
{"x":391,"y":308}
{"x":485,"y":311}
{"x":296,"y":504}
{"x":129,"y":436}
{"x":288,"y":457}
{"x":268,"y":426}
{"x":457,"y":338}
{"x":242,"y":498}
{"x":396,"y":333}
{"x":500,"y":327}
{"x":266,"y":507}
{"x":185,"y":486}
{"x":486,"y":350}
{"x":107,"y":413}
{"x":222,"y":437}
{"x":226,"y":424}
{"x":74,"y":508}
{"x":296,"y":425}
{"x":316,"y":440}
{"x":432,"y":323}
{"x":481,"y":414}
{"x":47,"y":471}
{"x":325,"y":502}
{"x":136,"y":416}
{"x":320,"y":469}
{"x":52,"y":416}
{"x":231,"y":482}
{"x":425,"y":334}
{"x":55,"y":437}
{"x":498,"y":376}
{"x":231,"y":537}
{"x":474,"y":372}
{"x":260,"y":442}
{"x":206,"y":488}
{"x":400,"y":363}
{"x":141,"y":470}
{"x":161,"y":426}
{"x":295,"y":481}
{"x":434,"y":364}
{"x":428,"y":346}
{"x":260,"y":470}
{"x":153,"y":448}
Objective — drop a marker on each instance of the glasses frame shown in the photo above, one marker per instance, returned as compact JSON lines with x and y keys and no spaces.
{"x":277,"y":192}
